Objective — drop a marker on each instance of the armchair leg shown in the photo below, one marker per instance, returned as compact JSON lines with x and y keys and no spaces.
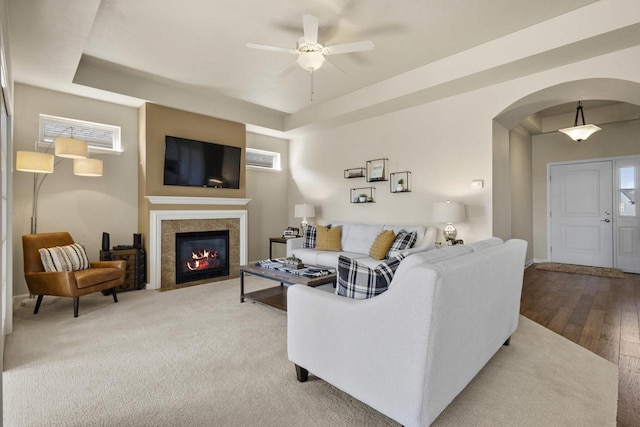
{"x":76,"y":305}
{"x":38,"y":302}
{"x":113,"y":292}
{"x":302,"y":374}
{"x":508,"y":341}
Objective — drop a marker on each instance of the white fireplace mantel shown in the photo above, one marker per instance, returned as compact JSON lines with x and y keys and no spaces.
{"x":181,"y":200}
{"x":155,"y":235}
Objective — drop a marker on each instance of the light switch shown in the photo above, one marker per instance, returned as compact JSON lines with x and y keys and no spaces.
{"x":477,"y":183}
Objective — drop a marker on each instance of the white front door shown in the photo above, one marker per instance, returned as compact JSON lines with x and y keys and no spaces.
{"x":581,"y":214}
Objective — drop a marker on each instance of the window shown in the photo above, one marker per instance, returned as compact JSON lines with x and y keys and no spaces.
{"x":261,"y":159}
{"x":98,"y":136}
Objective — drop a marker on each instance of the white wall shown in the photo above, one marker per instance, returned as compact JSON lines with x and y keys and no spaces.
{"x":83,"y":206}
{"x":521,"y":189}
{"x":445,"y":144}
{"x":268,"y":193}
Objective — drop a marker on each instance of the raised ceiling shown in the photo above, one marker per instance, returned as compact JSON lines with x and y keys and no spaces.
{"x":198,"y":46}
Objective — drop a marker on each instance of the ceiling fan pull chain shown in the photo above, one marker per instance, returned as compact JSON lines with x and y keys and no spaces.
{"x":311,"y":85}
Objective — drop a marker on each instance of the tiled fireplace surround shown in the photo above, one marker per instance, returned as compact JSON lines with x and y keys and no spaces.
{"x":164,"y":223}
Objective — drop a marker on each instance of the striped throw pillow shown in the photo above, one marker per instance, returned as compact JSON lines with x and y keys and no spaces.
{"x":404,"y":240}
{"x":309,"y":237}
{"x":64,"y":258}
{"x":358,"y":281}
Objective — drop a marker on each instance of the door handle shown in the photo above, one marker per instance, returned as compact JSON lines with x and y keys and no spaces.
{"x":605,"y":220}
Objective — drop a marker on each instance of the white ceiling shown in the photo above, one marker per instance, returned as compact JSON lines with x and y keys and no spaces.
{"x":200,"y":44}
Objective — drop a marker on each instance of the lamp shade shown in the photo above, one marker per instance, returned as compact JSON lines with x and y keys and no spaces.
{"x":304,"y":211}
{"x":580,"y":133}
{"x":71,"y":148}
{"x":32,"y":161}
{"x":87,"y":167}
{"x":448,"y":212}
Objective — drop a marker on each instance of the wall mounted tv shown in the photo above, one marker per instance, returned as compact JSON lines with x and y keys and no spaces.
{"x":201,"y":164}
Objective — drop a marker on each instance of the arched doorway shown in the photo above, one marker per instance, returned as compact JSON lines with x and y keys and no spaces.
{"x":519,"y":196}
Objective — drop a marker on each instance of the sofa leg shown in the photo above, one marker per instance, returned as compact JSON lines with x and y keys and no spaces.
{"x":113,"y":292}
{"x":38,"y":302}
{"x":508,"y":341}
{"x":76,"y":305}
{"x":302,"y":374}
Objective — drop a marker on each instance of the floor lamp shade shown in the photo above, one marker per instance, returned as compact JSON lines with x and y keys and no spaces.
{"x":32,"y":161}
{"x":87,"y":167}
{"x":71,"y":148}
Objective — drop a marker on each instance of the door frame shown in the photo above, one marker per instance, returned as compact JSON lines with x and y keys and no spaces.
{"x":613,"y":187}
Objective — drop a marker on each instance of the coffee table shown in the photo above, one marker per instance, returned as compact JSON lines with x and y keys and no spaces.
{"x":277,"y":295}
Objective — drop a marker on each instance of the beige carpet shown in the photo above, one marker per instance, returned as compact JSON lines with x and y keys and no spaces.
{"x":198,"y":357}
{"x":615,"y":273}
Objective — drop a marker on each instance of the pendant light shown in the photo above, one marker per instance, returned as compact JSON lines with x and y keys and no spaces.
{"x":580,"y":133}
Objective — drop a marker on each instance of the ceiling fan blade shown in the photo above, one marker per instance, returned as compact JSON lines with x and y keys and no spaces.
{"x":348,"y":47}
{"x":310,"y":27}
{"x":273,"y":48}
{"x":288,"y":70}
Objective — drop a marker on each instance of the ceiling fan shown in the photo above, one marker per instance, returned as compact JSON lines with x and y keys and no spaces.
{"x":311,"y":54}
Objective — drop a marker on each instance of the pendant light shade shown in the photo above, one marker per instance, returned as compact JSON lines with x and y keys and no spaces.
{"x":32,"y":161}
{"x":87,"y":167}
{"x":580,"y":133}
{"x":71,"y":148}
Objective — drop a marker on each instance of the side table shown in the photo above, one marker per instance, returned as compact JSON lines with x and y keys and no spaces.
{"x":273,"y":240}
{"x":134,"y":278}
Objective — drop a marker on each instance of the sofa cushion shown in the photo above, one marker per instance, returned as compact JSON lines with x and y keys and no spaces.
{"x":430,"y":257}
{"x":382,"y":244}
{"x":404,"y":240}
{"x":64,"y":258}
{"x":420,"y":230}
{"x":487,"y":243}
{"x":309,"y":237}
{"x":328,"y":238}
{"x":359,"y":237}
{"x":356,"y":280}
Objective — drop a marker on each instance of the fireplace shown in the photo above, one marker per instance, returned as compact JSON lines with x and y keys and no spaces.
{"x":201,"y":255}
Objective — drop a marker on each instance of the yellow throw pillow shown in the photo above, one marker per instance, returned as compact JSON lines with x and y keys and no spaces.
{"x":382,"y":244}
{"x":328,"y":239}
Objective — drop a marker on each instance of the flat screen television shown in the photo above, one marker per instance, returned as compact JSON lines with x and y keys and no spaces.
{"x":201,"y":164}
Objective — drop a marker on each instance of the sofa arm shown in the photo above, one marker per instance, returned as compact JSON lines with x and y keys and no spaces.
{"x":294,"y":244}
{"x":374,"y":349}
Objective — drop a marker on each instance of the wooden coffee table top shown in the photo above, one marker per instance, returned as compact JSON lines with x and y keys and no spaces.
{"x":288,"y":278}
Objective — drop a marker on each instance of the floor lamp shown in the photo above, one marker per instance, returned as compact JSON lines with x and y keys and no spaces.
{"x":42,"y":165}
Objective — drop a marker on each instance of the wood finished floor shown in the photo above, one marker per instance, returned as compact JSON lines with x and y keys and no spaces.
{"x":598,"y":313}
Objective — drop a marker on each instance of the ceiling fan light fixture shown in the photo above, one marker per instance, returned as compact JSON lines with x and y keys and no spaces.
{"x":580,"y":133}
{"x":310,"y":61}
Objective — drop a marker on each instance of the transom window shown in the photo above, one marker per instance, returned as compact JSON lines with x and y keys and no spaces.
{"x":262,"y":159}
{"x":98,"y":136}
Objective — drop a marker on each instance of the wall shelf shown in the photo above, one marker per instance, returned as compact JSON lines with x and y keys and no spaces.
{"x":377,"y":170}
{"x":354,"y":173}
{"x":400,"y":182}
{"x":357,"y":195}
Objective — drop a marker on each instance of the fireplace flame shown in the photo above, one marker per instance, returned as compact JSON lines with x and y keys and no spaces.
{"x":202,"y":260}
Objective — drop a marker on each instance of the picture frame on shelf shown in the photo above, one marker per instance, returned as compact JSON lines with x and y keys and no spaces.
{"x":376,"y":170}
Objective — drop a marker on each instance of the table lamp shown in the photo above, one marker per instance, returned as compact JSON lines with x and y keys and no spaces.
{"x":448,"y":212}
{"x":304,"y":211}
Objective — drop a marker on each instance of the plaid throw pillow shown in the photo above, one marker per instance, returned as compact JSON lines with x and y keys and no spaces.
{"x":356,"y":280}
{"x":64,"y":258}
{"x":404,"y":240}
{"x":309,"y":237}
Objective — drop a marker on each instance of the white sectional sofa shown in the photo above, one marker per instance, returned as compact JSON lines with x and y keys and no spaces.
{"x":356,"y":240}
{"x":409,"y":351}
